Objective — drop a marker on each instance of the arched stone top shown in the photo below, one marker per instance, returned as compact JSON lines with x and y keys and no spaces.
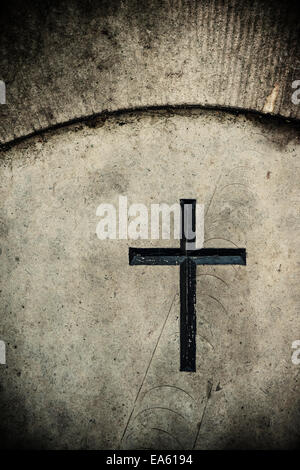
{"x":63,"y":61}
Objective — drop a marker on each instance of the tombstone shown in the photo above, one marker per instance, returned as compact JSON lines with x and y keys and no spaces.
{"x":198,"y":111}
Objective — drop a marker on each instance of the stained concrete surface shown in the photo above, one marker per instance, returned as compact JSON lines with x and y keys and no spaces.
{"x":67,"y":59}
{"x":93,"y":343}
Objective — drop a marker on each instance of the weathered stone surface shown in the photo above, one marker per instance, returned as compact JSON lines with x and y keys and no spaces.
{"x":66,"y":60}
{"x":93,"y":344}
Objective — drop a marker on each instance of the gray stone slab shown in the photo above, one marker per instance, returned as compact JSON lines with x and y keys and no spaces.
{"x":92,"y":344}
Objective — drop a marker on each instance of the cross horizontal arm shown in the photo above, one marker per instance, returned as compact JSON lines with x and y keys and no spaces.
{"x":175,"y":256}
{"x":218,"y":256}
{"x":156,"y":256}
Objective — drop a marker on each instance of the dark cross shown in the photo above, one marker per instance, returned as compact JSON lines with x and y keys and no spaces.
{"x":187,"y":259}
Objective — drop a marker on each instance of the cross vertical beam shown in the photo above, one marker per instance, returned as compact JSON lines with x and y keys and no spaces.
{"x":188,"y":316}
{"x":188,"y":288}
{"x":188,"y":224}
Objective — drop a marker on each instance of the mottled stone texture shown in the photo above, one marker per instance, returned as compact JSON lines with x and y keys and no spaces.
{"x":64,"y":60}
{"x":93,"y":343}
